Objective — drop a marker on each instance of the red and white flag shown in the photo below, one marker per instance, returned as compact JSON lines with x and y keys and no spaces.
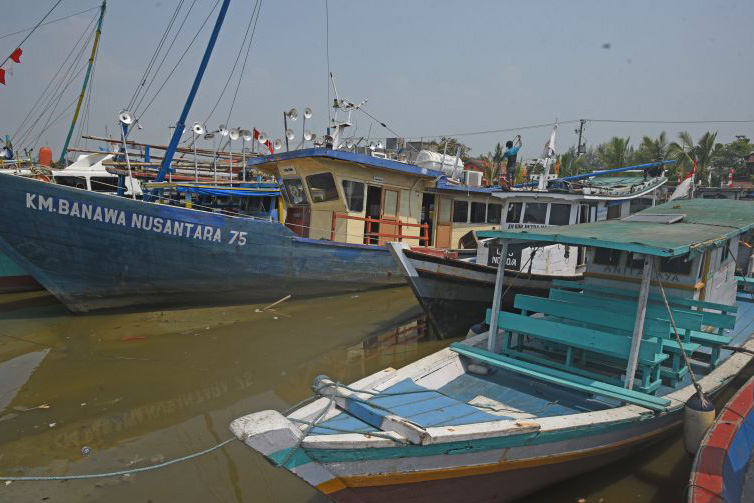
{"x":266,"y":142}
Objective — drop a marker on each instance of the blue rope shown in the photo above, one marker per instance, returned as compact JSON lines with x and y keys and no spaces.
{"x":118,"y":473}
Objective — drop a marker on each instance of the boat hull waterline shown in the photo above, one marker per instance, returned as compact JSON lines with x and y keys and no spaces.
{"x":96,"y":251}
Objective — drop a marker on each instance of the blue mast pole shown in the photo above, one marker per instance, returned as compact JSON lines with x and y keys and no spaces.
{"x":192,"y":94}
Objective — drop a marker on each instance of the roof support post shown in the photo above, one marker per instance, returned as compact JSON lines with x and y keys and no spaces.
{"x":498,"y":296}
{"x":641,"y":311}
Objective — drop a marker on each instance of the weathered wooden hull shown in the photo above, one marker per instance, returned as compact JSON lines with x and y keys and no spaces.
{"x":97,"y":251}
{"x":456,"y":294}
{"x":15,"y":279}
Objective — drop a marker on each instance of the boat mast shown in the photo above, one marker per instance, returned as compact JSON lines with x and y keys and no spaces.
{"x":64,"y":152}
{"x":181,"y":123}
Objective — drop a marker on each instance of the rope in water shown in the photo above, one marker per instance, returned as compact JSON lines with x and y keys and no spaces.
{"x":118,"y":473}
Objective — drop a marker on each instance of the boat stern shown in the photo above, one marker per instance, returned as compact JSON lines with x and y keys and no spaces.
{"x":279,"y":440}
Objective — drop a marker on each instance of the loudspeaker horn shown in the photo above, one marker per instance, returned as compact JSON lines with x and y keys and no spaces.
{"x":292,"y":114}
{"x":277,"y":145}
{"x":308,"y":113}
{"x":308,"y":135}
{"x":234,"y":133}
{"x":246,"y":134}
{"x":198,"y":128}
{"x":126,"y":117}
{"x":223,"y":130}
{"x":262,"y":138}
{"x":289,"y":134}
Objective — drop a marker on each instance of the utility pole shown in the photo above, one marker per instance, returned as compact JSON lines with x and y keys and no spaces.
{"x":581,"y":132}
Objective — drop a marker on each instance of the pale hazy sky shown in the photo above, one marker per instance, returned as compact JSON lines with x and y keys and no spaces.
{"x":427,"y":67}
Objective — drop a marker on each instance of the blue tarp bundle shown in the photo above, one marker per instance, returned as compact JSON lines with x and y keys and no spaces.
{"x":240,"y":192}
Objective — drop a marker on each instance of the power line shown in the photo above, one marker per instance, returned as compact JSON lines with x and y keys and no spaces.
{"x":743,"y":121}
{"x":50,"y":22}
{"x":33,"y":29}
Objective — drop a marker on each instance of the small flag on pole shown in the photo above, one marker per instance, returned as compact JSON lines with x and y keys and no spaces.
{"x":2,"y":76}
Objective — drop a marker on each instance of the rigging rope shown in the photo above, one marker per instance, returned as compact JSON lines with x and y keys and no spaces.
{"x":33,"y":30}
{"x":246,"y":58}
{"x":235,"y":63}
{"x":162,"y":61}
{"x":172,"y":70}
{"x":155,"y":55}
{"x":51,"y":22}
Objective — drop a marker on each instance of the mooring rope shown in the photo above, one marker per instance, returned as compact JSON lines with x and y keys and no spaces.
{"x":702,"y":398}
{"x":118,"y":473}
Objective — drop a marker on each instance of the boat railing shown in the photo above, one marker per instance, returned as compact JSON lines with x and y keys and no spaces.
{"x":370,"y":233}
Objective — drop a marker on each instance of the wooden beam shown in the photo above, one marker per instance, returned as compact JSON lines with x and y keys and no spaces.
{"x":641,"y":311}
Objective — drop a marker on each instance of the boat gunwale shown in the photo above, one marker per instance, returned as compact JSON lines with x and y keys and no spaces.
{"x":711,"y":383}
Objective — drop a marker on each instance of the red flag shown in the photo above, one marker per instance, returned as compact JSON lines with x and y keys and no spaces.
{"x":267,"y":142}
{"x":16,"y":55}
{"x":2,"y":76}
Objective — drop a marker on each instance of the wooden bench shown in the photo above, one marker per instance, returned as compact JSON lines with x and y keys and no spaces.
{"x":619,"y":323}
{"x":653,"y":297}
{"x":561,"y":378}
{"x":588,"y":340}
{"x":689,"y":323}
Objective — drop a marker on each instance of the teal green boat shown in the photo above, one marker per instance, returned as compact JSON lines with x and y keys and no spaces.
{"x":585,"y":376}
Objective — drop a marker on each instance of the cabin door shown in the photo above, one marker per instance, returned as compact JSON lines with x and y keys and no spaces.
{"x":444,"y":231}
{"x":389,"y":228}
{"x":373,"y":213}
{"x":428,"y":217}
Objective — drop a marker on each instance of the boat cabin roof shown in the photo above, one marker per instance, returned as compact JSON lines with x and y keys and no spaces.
{"x":341,"y":155}
{"x":668,"y":230}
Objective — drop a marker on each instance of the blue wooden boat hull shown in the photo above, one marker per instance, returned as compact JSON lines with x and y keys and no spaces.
{"x":13,"y":278}
{"x":96,"y":251}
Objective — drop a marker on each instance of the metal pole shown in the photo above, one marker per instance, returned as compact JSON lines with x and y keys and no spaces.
{"x":285,"y":130}
{"x":192,"y":94}
{"x":196,"y":167}
{"x":497,"y":297}
{"x":128,"y":162}
{"x":243,"y":154}
{"x":641,"y":311}
{"x":64,"y":152}
{"x":581,"y":131}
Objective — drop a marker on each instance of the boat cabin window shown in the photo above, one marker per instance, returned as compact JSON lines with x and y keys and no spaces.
{"x":560,"y":214}
{"x":104,"y":183}
{"x":354,"y":192}
{"x":494,"y":212}
{"x":613,"y":212}
{"x":71,"y":181}
{"x":322,"y":187}
{"x":478,"y":213}
{"x":676,"y":265}
{"x":724,"y":252}
{"x":535,"y":213}
{"x":460,"y":211}
{"x":513,"y":215}
{"x":294,"y":189}
{"x":606,"y":256}
{"x":634,"y":261}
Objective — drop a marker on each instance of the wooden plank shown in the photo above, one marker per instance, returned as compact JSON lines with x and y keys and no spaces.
{"x":653,"y":297}
{"x":562,"y":378}
{"x":578,"y":337}
{"x":593,"y":317}
{"x":686,"y":320}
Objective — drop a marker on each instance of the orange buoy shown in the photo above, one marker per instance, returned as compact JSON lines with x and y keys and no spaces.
{"x":45,"y":156}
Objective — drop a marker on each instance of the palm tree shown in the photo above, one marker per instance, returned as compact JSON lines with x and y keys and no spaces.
{"x":616,"y":153}
{"x":651,"y":150}
{"x":570,"y":163}
{"x":686,"y":153}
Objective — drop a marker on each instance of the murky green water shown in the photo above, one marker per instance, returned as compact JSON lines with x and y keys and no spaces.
{"x":140,"y":388}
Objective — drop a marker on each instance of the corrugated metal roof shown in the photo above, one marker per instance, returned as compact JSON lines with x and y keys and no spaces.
{"x":705,"y":223}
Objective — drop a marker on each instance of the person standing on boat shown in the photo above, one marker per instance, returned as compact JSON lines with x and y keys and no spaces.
{"x":511,"y":152}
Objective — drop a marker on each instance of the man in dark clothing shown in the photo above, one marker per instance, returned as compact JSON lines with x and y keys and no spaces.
{"x":511,"y":152}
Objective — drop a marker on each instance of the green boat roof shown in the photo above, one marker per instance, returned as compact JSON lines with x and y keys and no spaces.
{"x":667,"y":230}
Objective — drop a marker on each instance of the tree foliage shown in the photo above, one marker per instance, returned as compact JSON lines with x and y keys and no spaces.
{"x":450,"y":146}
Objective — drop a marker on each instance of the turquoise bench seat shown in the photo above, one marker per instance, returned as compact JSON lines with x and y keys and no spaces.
{"x":689,"y":323}
{"x":619,"y":323}
{"x":653,"y":297}
{"x":585,"y":339}
{"x":561,"y":378}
